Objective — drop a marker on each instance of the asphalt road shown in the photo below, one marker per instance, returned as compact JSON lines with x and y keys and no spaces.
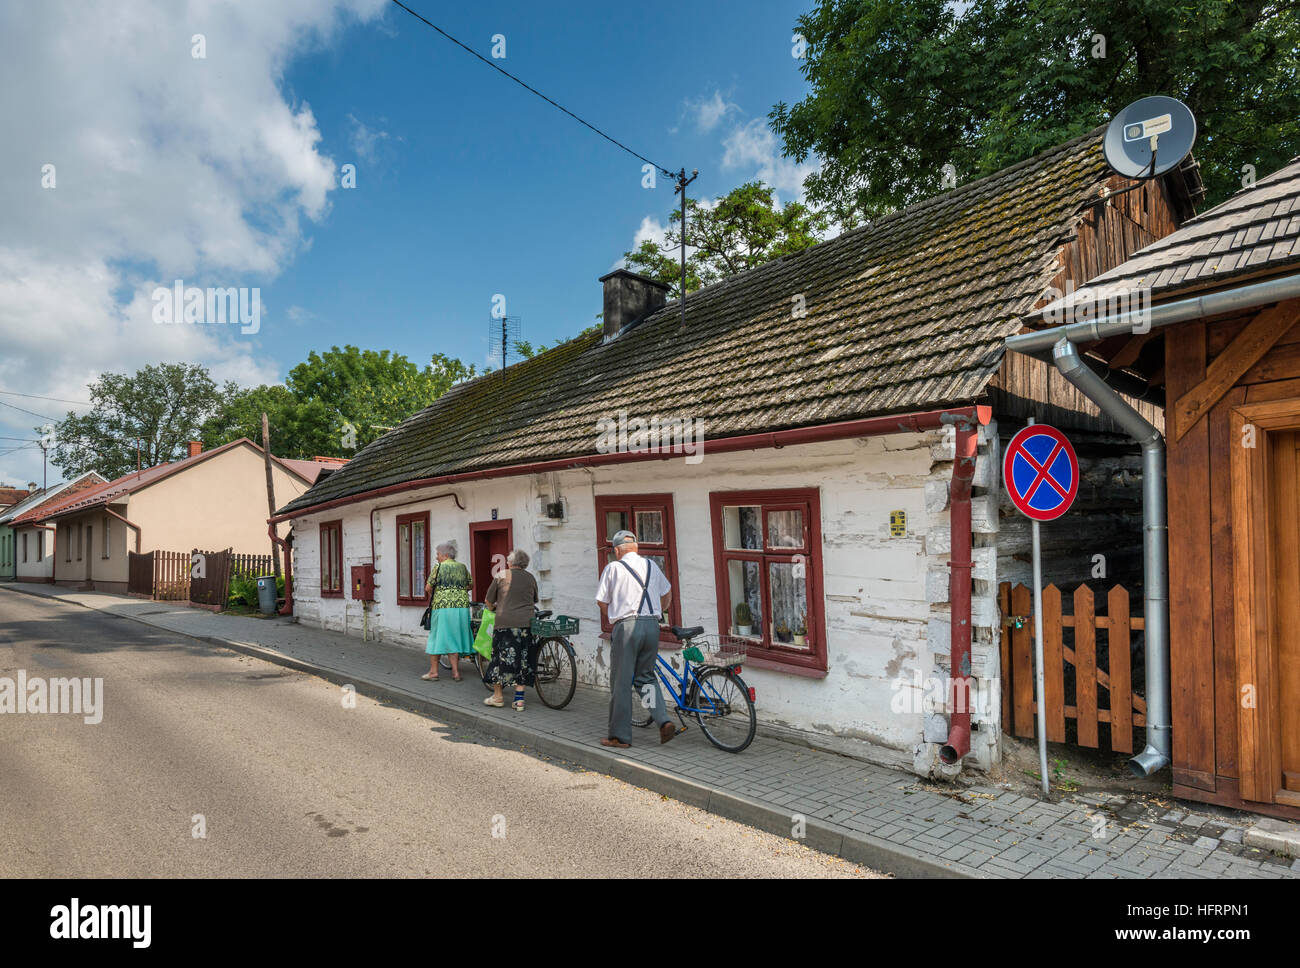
{"x":289,"y":781}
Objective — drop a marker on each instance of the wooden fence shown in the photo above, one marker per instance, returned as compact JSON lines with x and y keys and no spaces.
{"x":1077,"y":696}
{"x":169,"y":576}
{"x":252,"y":566}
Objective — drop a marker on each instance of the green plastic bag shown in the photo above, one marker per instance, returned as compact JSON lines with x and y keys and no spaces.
{"x":483,"y":641}
{"x":693,"y":654}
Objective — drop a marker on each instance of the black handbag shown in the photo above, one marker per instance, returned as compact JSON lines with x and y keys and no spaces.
{"x":427,"y":618}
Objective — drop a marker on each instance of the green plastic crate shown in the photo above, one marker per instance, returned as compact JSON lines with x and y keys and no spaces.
{"x":545,"y":628}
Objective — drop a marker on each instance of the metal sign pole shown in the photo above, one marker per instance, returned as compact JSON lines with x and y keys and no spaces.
{"x":1039,"y":679}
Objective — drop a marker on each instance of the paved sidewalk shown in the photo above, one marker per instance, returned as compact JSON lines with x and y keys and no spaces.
{"x":886,"y":819}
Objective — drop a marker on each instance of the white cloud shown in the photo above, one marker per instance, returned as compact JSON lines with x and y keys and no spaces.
{"x":708,"y":112}
{"x":364,"y":139}
{"x":753,"y":147}
{"x":166,"y":166}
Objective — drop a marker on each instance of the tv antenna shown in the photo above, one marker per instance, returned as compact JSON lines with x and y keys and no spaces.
{"x":503,"y":332}
{"x":1151,"y":136}
{"x":682,"y":182}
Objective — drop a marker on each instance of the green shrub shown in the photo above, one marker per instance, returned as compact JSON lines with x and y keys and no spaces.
{"x":243,"y":590}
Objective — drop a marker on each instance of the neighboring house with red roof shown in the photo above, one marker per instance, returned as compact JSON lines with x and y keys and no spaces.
{"x":30,"y":546}
{"x":316,"y":468}
{"x":210,"y":500}
{"x":9,"y":496}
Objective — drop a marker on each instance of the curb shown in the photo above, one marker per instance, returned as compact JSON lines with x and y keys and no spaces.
{"x":861,"y":848}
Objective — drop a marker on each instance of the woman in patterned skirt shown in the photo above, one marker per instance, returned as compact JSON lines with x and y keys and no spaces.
{"x":511,"y":597}
{"x":449,"y":632}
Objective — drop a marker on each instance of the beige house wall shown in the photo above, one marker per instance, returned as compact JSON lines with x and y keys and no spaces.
{"x":218,"y":504}
{"x":92,"y":547}
{"x":35,"y":568}
{"x":213,"y":505}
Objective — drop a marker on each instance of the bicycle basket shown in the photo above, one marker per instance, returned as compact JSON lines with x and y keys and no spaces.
{"x":716,"y":650}
{"x":545,"y":628}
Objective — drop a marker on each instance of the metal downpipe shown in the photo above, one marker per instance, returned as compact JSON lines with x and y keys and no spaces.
{"x":965,"y":453}
{"x":1155,"y":533}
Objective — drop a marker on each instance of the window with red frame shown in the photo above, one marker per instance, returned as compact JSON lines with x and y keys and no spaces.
{"x":767,"y":556}
{"x":331,"y":559}
{"x":650,"y":518}
{"x":412,"y":557}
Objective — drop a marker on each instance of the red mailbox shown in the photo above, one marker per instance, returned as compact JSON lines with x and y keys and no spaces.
{"x":363,"y":583}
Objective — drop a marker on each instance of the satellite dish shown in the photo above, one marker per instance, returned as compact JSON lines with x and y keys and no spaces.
{"x":1154,"y":129}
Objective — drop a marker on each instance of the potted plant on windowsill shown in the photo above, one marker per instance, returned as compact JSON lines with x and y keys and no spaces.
{"x":782,"y":632}
{"x":744,"y":619}
{"x":800,"y":632}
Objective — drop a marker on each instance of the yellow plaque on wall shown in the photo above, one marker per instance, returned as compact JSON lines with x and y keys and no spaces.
{"x":898,"y":524}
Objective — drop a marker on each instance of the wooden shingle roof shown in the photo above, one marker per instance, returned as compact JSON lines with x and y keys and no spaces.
{"x":905,"y":314}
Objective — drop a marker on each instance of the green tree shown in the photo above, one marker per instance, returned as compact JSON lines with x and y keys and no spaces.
{"x":743,"y":229}
{"x":162,"y":407}
{"x":298,"y":429}
{"x":336,"y":402}
{"x":901,"y":88}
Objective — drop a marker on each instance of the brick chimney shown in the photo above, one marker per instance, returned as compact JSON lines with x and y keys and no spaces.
{"x":630,"y":298}
{"x":196,"y":448}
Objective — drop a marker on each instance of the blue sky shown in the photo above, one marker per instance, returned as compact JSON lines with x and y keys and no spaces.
{"x":473,"y":186}
{"x":138,"y":154}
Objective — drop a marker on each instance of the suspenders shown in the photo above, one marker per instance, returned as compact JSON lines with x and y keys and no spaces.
{"x":645,"y":586}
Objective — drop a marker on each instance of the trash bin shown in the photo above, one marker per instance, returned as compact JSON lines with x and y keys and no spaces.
{"x":266,"y":594}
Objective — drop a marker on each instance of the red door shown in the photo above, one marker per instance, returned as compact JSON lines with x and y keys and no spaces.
{"x":490,"y":542}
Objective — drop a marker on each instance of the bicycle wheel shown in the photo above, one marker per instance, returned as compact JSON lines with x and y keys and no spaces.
{"x":557,"y":674}
{"x":482,"y":665}
{"x":725,"y":711}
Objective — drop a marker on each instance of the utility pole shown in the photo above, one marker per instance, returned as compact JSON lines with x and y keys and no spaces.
{"x":682,"y":182}
{"x":270,"y":489}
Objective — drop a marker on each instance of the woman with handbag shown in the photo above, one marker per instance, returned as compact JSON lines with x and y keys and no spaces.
{"x":449,"y":620}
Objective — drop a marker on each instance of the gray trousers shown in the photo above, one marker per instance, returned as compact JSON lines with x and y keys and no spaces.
{"x":633,"y":648}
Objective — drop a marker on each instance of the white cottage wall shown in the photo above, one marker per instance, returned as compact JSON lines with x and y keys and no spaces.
{"x":885,"y":609}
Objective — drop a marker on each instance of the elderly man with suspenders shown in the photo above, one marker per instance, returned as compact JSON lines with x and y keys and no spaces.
{"x":632,"y":593}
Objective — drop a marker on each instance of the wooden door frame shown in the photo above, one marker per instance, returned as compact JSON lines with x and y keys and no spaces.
{"x":502,"y":524}
{"x":1259,"y":742}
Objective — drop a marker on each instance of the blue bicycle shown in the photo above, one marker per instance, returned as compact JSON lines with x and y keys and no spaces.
{"x":709,"y":688}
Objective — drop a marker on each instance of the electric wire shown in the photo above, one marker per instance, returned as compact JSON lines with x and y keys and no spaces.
{"x":534,"y":90}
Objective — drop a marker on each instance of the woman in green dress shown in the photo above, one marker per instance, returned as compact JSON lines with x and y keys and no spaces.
{"x":449,"y":633}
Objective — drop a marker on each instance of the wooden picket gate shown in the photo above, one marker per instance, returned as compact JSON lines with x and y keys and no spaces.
{"x":139,"y":573}
{"x":1124,"y":708}
{"x":171,"y":576}
{"x":212,"y":588}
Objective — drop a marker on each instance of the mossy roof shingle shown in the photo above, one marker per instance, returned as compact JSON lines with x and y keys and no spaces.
{"x":907,"y":313}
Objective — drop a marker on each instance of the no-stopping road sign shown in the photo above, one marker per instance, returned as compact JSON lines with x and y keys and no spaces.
{"x":1041,"y":472}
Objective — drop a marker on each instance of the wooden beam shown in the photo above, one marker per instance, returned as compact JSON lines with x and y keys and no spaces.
{"x":1230,"y":365}
{"x":1128,"y":353}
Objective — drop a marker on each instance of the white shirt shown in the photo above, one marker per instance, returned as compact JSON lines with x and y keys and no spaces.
{"x":622,"y":593}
